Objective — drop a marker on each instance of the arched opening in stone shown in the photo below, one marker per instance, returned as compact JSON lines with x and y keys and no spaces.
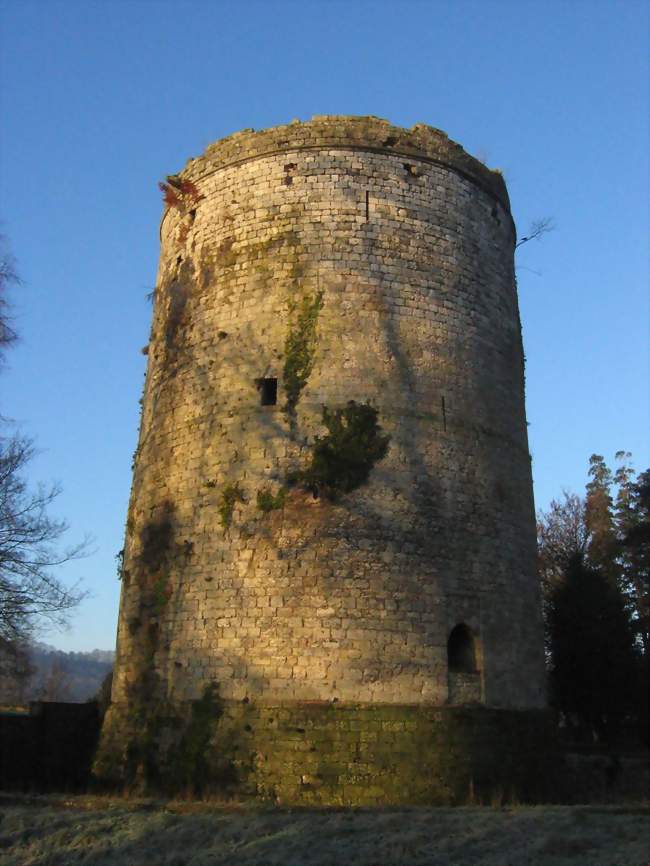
{"x":461,"y":650}
{"x":463,"y":666}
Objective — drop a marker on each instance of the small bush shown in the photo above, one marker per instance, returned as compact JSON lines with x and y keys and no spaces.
{"x":267,"y":501}
{"x":343,"y":460}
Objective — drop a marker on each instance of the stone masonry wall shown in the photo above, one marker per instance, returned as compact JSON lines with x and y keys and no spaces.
{"x":359,"y":755}
{"x":390,"y":252}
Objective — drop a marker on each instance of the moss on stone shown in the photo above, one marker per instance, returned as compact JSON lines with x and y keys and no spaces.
{"x":191,"y":764}
{"x":161,"y":592}
{"x":166,"y":747}
{"x":142,"y":753}
{"x":230,"y":495}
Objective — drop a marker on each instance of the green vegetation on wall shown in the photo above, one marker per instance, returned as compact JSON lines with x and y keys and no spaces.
{"x":189,"y":766}
{"x":268,"y":501}
{"x":142,"y":756}
{"x":161,"y":592}
{"x":170,"y":747}
{"x":343,"y":459}
{"x":299,"y":349}
{"x":230,"y":495}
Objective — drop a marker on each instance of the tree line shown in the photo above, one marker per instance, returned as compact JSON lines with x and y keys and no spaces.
{"x":594,"y":558}
{"x":56,"y":675}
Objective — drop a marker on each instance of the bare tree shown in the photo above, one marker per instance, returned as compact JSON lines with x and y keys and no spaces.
{"x":16,"y":671}
{"x":8,"y":276}
{"x":57,"y":685}
{"x":537,"y":229}
{"x":29,"y":593}
{"x":562,"y":535}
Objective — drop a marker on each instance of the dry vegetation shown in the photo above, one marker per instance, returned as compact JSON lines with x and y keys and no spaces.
{"x":99,"y":832}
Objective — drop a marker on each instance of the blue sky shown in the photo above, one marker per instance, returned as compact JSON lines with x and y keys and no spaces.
{"x":100,"y":100}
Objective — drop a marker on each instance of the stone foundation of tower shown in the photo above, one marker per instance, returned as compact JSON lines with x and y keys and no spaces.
{"x":346,"y":754}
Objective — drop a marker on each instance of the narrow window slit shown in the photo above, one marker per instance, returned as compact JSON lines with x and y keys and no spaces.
{"x":268,"y":389}
{"x":367,"y":205}
{"x":444,"y":414}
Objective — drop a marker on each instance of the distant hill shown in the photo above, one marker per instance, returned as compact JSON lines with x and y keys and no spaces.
{"x":58,"y":675}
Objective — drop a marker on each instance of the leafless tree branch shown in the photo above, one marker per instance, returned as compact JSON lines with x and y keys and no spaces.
{"x":29,"y":593}
{"x":537,"y":229}
{"x":8,"y":276}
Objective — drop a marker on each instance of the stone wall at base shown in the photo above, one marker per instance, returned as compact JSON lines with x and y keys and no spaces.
{"x":353,"y":755}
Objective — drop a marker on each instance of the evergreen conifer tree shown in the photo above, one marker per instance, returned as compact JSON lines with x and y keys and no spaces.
{"x":594,"y":666}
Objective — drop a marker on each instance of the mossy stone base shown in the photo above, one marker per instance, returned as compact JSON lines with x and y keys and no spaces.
{"x":355,"y":755}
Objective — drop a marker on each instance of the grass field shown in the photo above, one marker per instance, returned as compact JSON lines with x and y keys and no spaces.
{"x":97,"y":832}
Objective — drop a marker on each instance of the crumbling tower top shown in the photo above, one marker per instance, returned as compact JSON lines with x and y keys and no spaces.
{"x":422,"y":142}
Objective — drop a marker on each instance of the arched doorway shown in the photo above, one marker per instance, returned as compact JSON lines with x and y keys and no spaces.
{"x":463,"y":666}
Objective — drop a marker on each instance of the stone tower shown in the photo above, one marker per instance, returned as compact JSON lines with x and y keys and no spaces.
{"x":331,"y":518}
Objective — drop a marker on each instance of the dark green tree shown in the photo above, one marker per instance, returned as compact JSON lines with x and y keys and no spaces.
{"x":634,"y":546}
{"x":593,"y":662}
{"x":609,"y":526}
{"x":608,"y":531}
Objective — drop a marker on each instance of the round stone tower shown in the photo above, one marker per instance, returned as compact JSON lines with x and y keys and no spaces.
{"x":331,"y":527}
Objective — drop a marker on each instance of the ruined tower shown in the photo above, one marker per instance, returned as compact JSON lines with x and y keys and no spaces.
{"x":331,"y":520}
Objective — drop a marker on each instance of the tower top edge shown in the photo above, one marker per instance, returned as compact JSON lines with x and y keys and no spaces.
{"x":348,"y":132}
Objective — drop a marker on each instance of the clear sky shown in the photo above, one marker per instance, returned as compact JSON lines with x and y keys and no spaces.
{"x":100,"y":100}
